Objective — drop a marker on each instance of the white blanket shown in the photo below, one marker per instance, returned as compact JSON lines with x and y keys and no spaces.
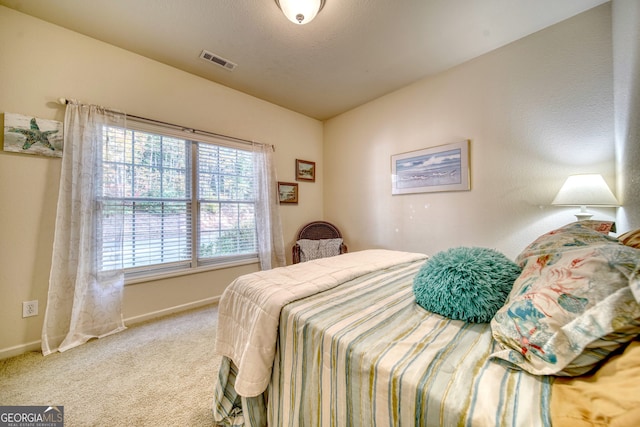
{"x":249,"y":310}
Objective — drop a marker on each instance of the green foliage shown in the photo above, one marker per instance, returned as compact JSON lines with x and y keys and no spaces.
{"x":230,"y":242}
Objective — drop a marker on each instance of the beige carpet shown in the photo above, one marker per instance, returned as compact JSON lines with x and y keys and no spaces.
{"x":159,"y":373}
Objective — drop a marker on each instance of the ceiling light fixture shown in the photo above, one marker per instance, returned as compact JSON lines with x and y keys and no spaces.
{"x":300,"y":11}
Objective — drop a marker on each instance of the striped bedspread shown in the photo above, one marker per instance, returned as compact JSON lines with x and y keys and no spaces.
{"x":365,"y":354}
{"x":250,"y":307}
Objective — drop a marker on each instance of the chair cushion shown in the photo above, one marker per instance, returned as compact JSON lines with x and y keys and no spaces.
{"x":322,"y":248}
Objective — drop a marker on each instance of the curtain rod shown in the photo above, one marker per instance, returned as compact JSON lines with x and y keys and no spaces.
{"x":65,"y":101}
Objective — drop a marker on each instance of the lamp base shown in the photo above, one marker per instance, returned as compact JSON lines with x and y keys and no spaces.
{"x":583,"y":214}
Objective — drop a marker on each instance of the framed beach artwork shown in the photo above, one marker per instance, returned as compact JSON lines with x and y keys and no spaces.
{"x":305,"y":170}
{"x":288,"y":192}
{"x":441,"y":168}
{"x":31,"y":135}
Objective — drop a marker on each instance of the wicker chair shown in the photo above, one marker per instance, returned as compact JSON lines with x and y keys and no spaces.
{"x":315,"y":231}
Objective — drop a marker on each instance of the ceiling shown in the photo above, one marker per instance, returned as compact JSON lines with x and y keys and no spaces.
{"x":353,"y":52}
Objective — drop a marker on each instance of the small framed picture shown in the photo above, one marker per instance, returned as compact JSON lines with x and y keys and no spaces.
{"x":305,"y":170}
{"x":288,"y":192}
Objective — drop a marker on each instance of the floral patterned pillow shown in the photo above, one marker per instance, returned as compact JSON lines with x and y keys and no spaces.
{"x":572,"y":305}
{"x":576,"y":234}
{"x":604,"y":227}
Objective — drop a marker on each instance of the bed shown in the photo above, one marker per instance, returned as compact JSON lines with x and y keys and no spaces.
{"x":342,"y":341}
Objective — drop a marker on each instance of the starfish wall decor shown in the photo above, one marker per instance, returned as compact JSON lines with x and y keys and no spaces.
{"x":31,"y":135}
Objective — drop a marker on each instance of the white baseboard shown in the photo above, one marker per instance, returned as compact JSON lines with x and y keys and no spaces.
{"x":17,"y":350}
{"x":171,"y":310}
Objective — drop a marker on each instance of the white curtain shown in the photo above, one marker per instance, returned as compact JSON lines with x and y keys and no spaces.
{"x":270,"y":240}
{"x":83,"y":301}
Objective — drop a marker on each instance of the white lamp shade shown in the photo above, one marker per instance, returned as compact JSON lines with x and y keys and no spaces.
{"x":585,"y":190}
{"x":300,"y":11}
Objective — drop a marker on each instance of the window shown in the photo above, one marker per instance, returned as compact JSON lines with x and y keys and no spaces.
{"x":186,"y":202}
{"x":225,"y":194}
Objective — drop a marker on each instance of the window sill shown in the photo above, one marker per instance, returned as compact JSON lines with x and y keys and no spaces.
{"x":185,"y":272}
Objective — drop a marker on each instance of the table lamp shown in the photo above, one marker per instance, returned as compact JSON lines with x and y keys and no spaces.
{"x":585,"y":190}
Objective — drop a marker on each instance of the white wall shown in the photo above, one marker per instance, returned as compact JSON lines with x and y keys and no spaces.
{"x":626,"y":55}
{"x":536,"y":111}
{"x":42,"y":62}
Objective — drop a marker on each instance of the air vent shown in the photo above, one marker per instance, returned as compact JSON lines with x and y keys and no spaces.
{"x":219,"y":61}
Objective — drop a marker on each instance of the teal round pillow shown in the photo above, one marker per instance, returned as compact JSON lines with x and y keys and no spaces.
{"x":469,"y":284}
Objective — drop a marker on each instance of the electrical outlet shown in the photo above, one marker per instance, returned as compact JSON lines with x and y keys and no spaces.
{"x":30,"y":308}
